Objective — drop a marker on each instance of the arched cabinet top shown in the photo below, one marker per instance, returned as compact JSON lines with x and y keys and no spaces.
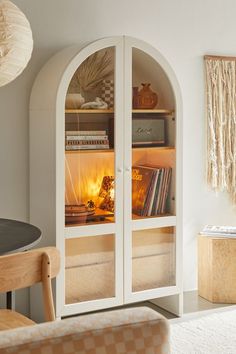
{"x":52,"y":82}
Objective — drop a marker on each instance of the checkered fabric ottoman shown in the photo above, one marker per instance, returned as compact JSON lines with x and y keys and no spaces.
{"x":131,"y":331}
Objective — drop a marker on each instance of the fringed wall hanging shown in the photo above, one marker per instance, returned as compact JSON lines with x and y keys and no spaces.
{"x":16,"y":42}
{"x":220,"y":77}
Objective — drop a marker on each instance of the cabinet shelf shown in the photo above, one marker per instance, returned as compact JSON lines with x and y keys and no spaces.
{"x":86,"y":111}
{"x":98,"y":151}
{"x":91,"y":223}
{"x":157,"y":111}
{"x":102,"y":111}
{"x":92,"y":151}
{"x":145,"y":148}
{"x":142,"y":223}
{"x":138,"y":217}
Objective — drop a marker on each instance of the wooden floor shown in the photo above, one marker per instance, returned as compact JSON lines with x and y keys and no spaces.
{"x":194,"y":303}
{"x":194,"y":306}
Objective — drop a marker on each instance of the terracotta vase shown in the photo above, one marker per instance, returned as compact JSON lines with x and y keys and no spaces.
{"x":147,"y":99}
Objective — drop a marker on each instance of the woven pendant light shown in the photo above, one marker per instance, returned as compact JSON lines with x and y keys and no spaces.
{"x":16,"y":42}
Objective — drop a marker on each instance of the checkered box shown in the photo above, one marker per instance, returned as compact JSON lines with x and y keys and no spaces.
{"x":108,"y":92}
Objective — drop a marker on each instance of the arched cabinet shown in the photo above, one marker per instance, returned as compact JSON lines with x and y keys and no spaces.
{"x":105,"y":174}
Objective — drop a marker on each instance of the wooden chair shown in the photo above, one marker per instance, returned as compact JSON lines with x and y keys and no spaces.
{"x":21,"y":270}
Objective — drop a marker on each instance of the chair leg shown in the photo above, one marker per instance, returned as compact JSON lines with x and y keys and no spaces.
{"x":10,"y":297}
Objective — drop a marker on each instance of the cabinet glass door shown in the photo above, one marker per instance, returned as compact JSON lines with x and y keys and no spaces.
{"x":153,"y":140}
{"x":153,"y":258}
{"x":89,"y":142}
{"x":93,"y":189}
{"x":89,"y":268}
{"x":151,"y":244}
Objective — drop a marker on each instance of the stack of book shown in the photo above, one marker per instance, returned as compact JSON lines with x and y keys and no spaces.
{"x":150,"y":187}
{"x":86,"y":140}
{"x":219,"y":231}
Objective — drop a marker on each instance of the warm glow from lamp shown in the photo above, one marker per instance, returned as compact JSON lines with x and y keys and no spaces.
{"x":84,"y":177}
{"x":112,"y":193}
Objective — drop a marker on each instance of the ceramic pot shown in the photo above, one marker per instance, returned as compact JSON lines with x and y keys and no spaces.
{"x":147,"y":99}
{"x":74,"y":100}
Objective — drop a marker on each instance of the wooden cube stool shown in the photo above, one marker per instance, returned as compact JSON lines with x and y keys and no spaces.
{"x":217,"y":268}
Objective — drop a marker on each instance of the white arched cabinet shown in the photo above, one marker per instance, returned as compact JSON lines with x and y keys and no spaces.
{"x":105,"y":177}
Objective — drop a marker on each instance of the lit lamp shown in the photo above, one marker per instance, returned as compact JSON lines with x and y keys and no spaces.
{"x":16,"y":42}
{"x":107,"y":192}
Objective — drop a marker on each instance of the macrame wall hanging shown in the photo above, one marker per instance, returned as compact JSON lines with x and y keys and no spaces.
{"x":220,"y":76}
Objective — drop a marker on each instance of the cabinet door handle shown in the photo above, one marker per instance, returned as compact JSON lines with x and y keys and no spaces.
{"x":119,"y":169}
{"x":128,"y":169}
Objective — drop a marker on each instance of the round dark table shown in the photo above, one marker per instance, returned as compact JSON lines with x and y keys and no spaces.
{"x":16,"y":236}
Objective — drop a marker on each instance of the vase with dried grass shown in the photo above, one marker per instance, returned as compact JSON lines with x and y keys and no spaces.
{"x":88,"y":78}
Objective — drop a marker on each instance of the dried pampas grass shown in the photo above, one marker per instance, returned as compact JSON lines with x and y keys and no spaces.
{"x":90,"y":74}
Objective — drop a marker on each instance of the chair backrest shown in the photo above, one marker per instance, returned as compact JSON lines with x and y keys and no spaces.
{"x":21,"y":270}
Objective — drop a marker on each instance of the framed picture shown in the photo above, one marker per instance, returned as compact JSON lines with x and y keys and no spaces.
{"x":148,"y":131}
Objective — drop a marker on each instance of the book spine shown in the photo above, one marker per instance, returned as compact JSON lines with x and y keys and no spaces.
{"x":87,"y":142}
{"x":85,"y":132}
{"x":165,"y":175}
{"x":157,"y":206}
{"x":153,"y":193}
{"x":153,"y":212}
{"x":149,"y":195}
{"x":86,"y":147}
{"x":86,"y":137}
{"x":166,"y":190}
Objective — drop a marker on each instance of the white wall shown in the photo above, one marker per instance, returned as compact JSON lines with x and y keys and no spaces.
{"x":183,"y":31}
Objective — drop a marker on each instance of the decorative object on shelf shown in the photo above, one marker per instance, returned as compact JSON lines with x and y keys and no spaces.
{"x":75,"y":210}
{"x":220,"y":73}
{"x":135,"y":100}
{"x":216,"y":268}
{"x":97,"y":104}
{"x":90,"y":74}
{"x":107,"y":192}
{"x":85,"y":132}
{"x":146,"y":98}
{"x":148,"y":131}
{"x":74,"y":100}
{"x":77,"y":213}
{"x":219,"y":231}
{"x":90,"y":204}
{"x":16,"y":42}
{"x":86,"y":140}
{"x":108,"y":92}
{"x":150,"y":188}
